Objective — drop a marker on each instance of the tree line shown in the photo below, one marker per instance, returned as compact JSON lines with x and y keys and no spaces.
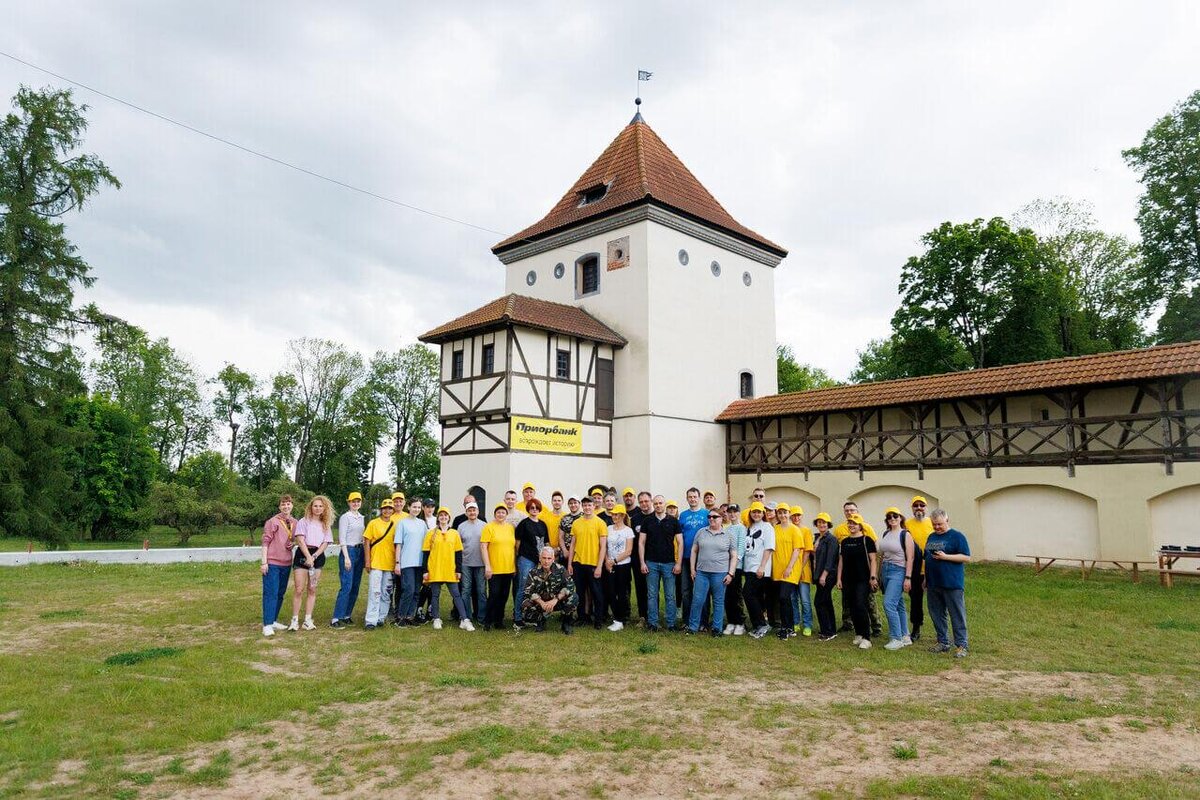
{"x":1047,"y":282}
{"x":102,"y":449}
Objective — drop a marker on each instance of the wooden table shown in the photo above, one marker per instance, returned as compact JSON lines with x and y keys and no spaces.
{"x":1166,"y":562}
{"x":1086,"y":565}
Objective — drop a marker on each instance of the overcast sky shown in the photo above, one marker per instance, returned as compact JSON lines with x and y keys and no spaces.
{"x":843,"y":131}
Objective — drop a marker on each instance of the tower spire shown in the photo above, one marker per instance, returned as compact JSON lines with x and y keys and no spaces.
{"x":643,"y":75}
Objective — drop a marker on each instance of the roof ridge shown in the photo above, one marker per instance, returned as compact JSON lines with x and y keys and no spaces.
{"x":641,"y":155}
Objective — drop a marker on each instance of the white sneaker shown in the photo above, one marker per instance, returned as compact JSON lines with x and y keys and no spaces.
{"x":893,"y":644}
{"x":906,"y":641}
{"x":279,"y":626}
{"x":616,"y":626}
{"x":739,"y":630}
{"x":268,"y":630}
{"x":728,"y":630}
{"x":295,"y":624}
{"x":437,"y":624}
{"x":857,"y":640}
{"x":465,"y":625}
{"x":865,"y":644}
{"x":308,"y":624}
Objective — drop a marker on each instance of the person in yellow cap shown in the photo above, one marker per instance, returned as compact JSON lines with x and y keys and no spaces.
{"x":785,"y":569}
{"x":442,"y":561}
{"x":498,"y":546}
{"x":399,"y":503}
{"x":588,"y":551}
{"x":756,"y":568}
{"x":710,"y":499}
{"x":919,"y":526}
{"x":825,"y":563}
{"x":350,"y":529}
{"x":849,"y":509}
{"x":527,"y":494}
{"x":381,"y":562}
{"x":857,"y":577}
{"x":804,"y":594}
{"x":896,"y":567}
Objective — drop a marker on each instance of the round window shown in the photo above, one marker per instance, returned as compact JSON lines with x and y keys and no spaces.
{"x":683,"y":257}
{"x":530,"y":278}
{"x":716,"y":269}
{"x":559,"y":270}
{"x":746,"y":279}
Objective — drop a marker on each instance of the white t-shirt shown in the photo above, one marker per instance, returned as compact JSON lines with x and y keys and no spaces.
{"x":759,"y":539}
{"x":617,"y":539}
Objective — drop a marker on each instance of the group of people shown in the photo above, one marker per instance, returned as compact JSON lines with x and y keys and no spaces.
{"x":710,"y":567}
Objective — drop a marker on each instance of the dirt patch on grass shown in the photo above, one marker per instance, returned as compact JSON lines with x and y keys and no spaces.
{"x":680,"y":737}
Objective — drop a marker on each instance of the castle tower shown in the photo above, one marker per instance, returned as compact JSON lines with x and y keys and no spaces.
{"x":639,"y":299}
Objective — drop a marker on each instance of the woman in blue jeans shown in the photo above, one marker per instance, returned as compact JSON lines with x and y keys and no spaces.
{"x":713,"y":565}
{"x":896,"y":554}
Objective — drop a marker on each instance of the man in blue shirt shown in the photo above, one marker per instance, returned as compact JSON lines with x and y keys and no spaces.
{"x":692,"y":521}
{"x":946,"y":553}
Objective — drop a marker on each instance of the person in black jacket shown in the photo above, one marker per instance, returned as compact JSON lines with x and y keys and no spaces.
{"x":825,"y":570}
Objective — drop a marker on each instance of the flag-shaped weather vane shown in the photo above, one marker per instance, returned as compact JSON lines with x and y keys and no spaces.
{"x":643,"y":75}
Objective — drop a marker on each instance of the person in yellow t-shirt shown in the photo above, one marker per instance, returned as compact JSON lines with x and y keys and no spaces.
{"x":785,"y":569}
{"x":442,"y":560}
{"x":802,"y":607}
{"x":381,"y":561}
{"x":850,"y":509}
{"x":588,"y":548}
{"x":552,"y":516}
{"x":498,"y":546}
{"x":399,"y":502}
{"x":919,"y":526}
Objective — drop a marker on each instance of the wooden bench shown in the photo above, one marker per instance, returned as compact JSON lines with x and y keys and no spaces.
{"x":1167,"y":559}
{"x":1086,"y":565}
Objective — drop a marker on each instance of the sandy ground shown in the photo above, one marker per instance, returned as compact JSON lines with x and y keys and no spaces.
{"x":715,"y":738}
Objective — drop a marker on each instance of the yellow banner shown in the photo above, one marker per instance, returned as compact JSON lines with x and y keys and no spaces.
{"x":545,"y":435}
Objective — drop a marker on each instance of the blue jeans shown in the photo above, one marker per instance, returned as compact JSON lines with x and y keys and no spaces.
{"x":708,"y":583}
{"x":893,"y":601}
{"x":349,"y":581}
{"x":665,"y":573}
{"x":474,"y":592}
{"x":804,"y":596}
{"x":410,"y":582}
{"x":275,"y":585}
{"x":943,"y":602}
{"x":524,"y":567}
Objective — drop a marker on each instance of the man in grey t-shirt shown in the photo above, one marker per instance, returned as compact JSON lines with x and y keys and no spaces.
{"x":473,"y":584}
{"x":713,"y":564}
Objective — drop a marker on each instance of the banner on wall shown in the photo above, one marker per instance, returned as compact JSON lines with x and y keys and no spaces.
{"x":545,"y":435}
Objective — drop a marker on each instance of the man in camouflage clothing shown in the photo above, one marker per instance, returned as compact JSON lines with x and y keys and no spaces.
{"x":548,"y":590}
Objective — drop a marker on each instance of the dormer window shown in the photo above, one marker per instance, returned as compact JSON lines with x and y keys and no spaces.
{"x":593,"y":194}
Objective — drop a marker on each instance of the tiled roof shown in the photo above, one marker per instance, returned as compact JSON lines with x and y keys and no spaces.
{"x":530,"y":312}
{"x":1125,"y":365}
{"x":638,"y":167}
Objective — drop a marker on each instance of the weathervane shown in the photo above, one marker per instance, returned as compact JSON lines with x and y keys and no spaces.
{"x":643,"y":75}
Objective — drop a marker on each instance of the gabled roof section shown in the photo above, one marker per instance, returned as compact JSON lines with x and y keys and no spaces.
{"x":637,"y":167}
{"x":518,"y":309}
{"x":1123,"y":366}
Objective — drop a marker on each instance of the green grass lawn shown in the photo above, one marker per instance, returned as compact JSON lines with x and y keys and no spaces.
{"x":159,"y":536}
{"x":152,"y":681}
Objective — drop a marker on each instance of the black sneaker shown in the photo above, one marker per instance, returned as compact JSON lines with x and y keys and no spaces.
{"x":567,"y":628}
{"x":336,"y":623}
{"x":541,"y":627}
{"x":651,"y":629}
{"x":940,"y":648}
{"x":348,"y":621}
{"x":369,"y":626}
{"x":916,"y":634}
{"x":688,"y":632}
{"x":827,"y":637}
{"x":715,"y":634}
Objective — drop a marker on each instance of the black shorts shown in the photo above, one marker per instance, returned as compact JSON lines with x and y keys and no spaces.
{"x":298,"y":561}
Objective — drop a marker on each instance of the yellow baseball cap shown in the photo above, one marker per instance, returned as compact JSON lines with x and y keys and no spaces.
{"x":628,"y":490}
{"x":797,"y":510}
{"x":708,"y":492}
{"x":527,"y":485}
{"x":398,"y":495}
{"x":783,"y":507}
{"x":757,"y":506}
{"x":825,"y":517}
{"x":857,"y":518}
{"x":387,"y":503}
{"x":617,"y":510}
{"x":498,"y":507}
{"x":893,"y":510}
{"x":672,"y":503}
{"x":444,"y":510}
{"x":354,"y":496}
{"x":919,"y":499}
{"x":596,"y":492}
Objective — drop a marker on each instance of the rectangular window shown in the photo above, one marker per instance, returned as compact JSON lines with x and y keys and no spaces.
{"x":746,"y":385}
{"x":587,"y":275}
{"x":489,"y":360}
{"x":456,"y":365}
{"x":604,"y":388}
{"x":562,"y":365}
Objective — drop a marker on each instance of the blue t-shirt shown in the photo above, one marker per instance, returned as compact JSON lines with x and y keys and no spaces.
{"x":692,"y":522}
{"x":410,"y":535}
{"x":946,"y":574}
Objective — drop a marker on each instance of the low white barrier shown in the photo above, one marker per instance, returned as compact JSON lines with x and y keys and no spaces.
{"x":168,"y":555}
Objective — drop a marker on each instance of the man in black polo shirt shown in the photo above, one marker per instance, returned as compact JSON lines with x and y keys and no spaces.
{"x":658,"y":536}
{"x":642,"y":508}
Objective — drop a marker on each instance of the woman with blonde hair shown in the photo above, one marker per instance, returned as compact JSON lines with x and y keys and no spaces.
{"x":313,"y":534}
